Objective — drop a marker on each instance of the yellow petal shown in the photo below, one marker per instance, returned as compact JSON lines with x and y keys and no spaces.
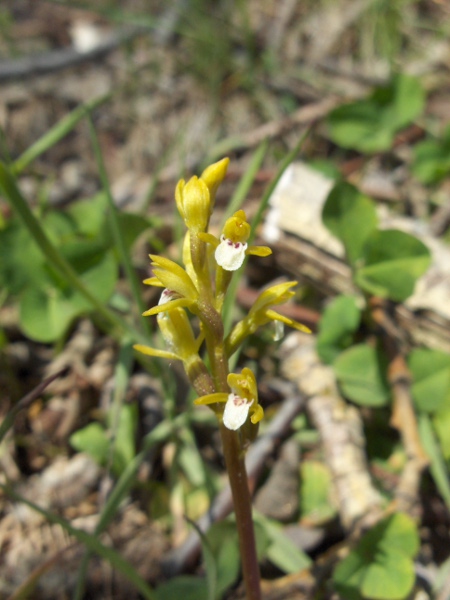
{"x":214,"y":175}
{"x":208,"y":238}
{"x":153,"y":281}
{"x":212,"y":398}
{"x":259,"y":250}
{"x":179,"y":197}
{"x":168,"y":306}
{"x":274,"y":316}
{"x":236,"y":228}
{"x":174,"y":277}
{"x":276,"y":294}
{"x":148,"y":351}
{"x":258,"y":414}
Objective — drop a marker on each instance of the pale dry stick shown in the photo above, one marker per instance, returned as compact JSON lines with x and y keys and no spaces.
{"x":340,"y":428}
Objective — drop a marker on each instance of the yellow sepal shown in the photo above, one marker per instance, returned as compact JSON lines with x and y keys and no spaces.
{"x":258,"y":414}
{"x":259,"y":250}
{"x":212,"y":398}
{"x":274,"y":316}
{"x":148,"y":351}
{"x":168,"y":306}
{"x":214,"y":175}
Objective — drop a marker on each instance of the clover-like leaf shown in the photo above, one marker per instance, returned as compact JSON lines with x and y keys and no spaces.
{"x":432,"y":159}
{"x":431,"y":373}
{"x":381,"y":566}
{"x":47,"y":309}
{"x":393,"y":262}
{"x":370,"y":125}
{"x":360,"y":371}
{"x":339,"y":321}
{"x":351,"y":217}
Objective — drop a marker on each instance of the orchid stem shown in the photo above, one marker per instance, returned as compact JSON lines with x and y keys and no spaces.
{"x":234,"y":460}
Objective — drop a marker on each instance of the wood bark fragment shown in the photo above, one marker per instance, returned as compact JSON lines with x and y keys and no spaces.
{"x":305,"y":249}
{"x":340,"y":427}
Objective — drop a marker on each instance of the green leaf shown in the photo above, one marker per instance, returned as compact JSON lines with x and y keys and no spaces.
{"x":124,"y":442}
{"x":396,"y":533}
{"x":315,"y":492}
{"x":47,"y":310}
{"x":431,"y":373}
{"x":59,"y":226}
{"x":54,"y":260}
{"x":357,"y":125}
{"x":280,"y":550}
{"x":351,"y":217}
{"x":21,"y":262}
{"x":389,"y":579}
{"x":223,"y":551}
{"x":370,"y":125}
{"x":441,"y":423}
{"x":438,"y":468}
{"x":90,"y":214}
{"x":360,"y":371}
{"x":132,"y":226}
{"x":91,"y":439}
{"x":339,"y":321}
{"x":190,"y":461}
{"x":404,"y":100}
{"x":186,"y":587}
{"x":431,"y":161}
{"x":393,"y":262}
{"x":381,"y":565}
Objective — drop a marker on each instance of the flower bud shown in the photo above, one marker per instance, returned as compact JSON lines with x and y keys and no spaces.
{"x":194,"y":203}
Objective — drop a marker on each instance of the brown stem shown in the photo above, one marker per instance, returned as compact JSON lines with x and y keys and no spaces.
{"x":234,"y":459}
{"x":403,"y":415}
{"x":234,"y":456}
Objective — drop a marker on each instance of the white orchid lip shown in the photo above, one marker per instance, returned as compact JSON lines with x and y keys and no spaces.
{"x":236,"y":412}
{"x":167,"y":296}
{"x":230,"y":255}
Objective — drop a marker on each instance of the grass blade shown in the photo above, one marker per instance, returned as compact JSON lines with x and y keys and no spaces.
{"x":116,"y":227}
{"x":438,"y":468}
{"x":246,"y":181}
{"x":56,"y":133}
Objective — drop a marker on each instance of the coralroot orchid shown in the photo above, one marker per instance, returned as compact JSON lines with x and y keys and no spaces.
{"x":192,"y":289}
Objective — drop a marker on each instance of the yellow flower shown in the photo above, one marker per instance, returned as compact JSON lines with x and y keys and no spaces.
{"x":232,"y":247}
{"x":180,"y":290}
{"x":214,"y":175}
{"x":177,"y":333}
{"x":242,"y":401}
{"x":261,"y":313}
{"x":194,"y":203}
{"x":195,"y":199}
